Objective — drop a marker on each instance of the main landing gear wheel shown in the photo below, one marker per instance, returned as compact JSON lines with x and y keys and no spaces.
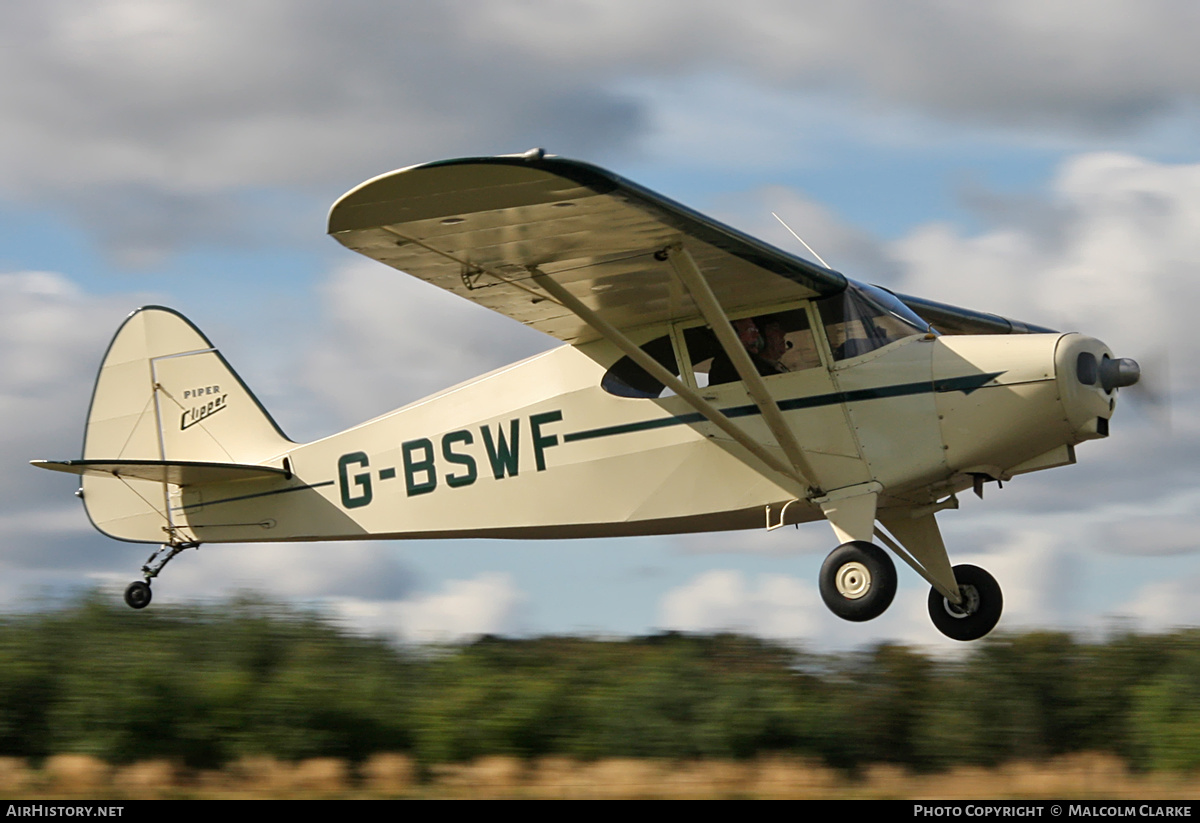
{"x":137,"y":595}
{"x":858,"y":581}
{"x":979,"y":613}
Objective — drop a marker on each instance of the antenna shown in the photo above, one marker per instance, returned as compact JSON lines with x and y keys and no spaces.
{"x":801,"y":239}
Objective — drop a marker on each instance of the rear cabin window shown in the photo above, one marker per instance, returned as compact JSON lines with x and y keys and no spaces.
{"x":626,"y":378}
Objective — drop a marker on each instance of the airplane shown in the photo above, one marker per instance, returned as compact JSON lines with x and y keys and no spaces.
{"x":712,"y":382}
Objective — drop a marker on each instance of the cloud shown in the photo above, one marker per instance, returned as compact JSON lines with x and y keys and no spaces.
{"x":53,"y":335}
{"x":1164,"y":605}
{"x":180,"y":113}
{"x":362,"y":583}
{"x":785,"y":608}
{"x":200,"y":97}
{"x":1038,"y":573}
{"x":1117,"y":260}
{"x":777,"y":606}
{"x":46,"y":323}
{"x":1098,"y":65}
{"x":301,"y":571}
{"x":1148,"y":534}
{"x":841,"y":245}
{"x":489,"y":603}
{"x":388,"y":339}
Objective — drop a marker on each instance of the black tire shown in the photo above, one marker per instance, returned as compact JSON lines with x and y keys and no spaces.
{"x":858,"y":581}
{"x":137,"y":595}
{"x":982,"y":604}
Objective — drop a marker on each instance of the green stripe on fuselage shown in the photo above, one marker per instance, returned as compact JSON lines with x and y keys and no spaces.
{"x":966,"y":385}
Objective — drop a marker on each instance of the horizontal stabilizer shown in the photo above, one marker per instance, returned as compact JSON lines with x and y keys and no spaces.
{"x":175,"y":472}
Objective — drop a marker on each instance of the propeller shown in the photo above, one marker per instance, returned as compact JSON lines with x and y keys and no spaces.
{"x":1152,"y":391}
{"x":1111,"y":373}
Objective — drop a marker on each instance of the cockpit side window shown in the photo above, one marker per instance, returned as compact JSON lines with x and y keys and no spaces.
{"x":864,"y":318}
{"x":777,"y":343}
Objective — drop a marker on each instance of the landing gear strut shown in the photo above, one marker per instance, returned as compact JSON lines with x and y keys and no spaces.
{"x":858,"y":581}
{"x":137,"y":593}
{"x":979,"y":611}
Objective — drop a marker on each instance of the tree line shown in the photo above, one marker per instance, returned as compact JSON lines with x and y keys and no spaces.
{"x":208,"y":684}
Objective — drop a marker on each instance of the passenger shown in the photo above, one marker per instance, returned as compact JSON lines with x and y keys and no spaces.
{"x":764,"y":349}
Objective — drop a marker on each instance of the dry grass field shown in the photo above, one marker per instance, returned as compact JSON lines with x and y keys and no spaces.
{"x":1087,"y":776}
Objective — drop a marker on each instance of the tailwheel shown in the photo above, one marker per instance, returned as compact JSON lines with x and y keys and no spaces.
{"x":979,"y":612}
{"x":858,"y":581}
{"x":137,"y":595}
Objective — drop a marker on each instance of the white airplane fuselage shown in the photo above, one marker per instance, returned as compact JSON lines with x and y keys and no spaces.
{"x":917,"y":418}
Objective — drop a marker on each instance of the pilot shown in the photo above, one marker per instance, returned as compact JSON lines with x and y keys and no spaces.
{"x":775,"y":345}
{"x":764,"y":347}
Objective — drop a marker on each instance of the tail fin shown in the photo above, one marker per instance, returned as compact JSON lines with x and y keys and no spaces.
{"x":165,"y":394}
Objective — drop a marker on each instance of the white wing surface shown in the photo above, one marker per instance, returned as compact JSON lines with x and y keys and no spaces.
{"x":479,"y":226}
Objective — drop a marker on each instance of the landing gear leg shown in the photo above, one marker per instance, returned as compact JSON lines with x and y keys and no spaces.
{"x":137,"y":594}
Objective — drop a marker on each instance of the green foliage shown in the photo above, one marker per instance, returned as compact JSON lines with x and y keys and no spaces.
{"x":203,"y":685}
{"x":207,"y":685}
{"x":1166,"y":708}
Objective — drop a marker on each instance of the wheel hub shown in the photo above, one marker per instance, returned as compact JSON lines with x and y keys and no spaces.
{"x":970,"y":603}
{"x":853,"y":580}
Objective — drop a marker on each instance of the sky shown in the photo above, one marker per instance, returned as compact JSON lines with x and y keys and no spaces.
{"x":1034,"y":160}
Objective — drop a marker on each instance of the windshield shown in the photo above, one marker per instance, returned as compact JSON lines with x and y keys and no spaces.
{"x":859,"y":320}
{"x":864,"y":318}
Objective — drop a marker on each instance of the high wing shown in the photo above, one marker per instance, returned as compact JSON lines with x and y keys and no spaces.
{"x":949,"y":319}
{"x":480,"y":227}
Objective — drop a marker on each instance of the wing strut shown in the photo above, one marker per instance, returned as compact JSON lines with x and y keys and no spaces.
{"x":689,"y":273}
{"x":693,"y":398}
